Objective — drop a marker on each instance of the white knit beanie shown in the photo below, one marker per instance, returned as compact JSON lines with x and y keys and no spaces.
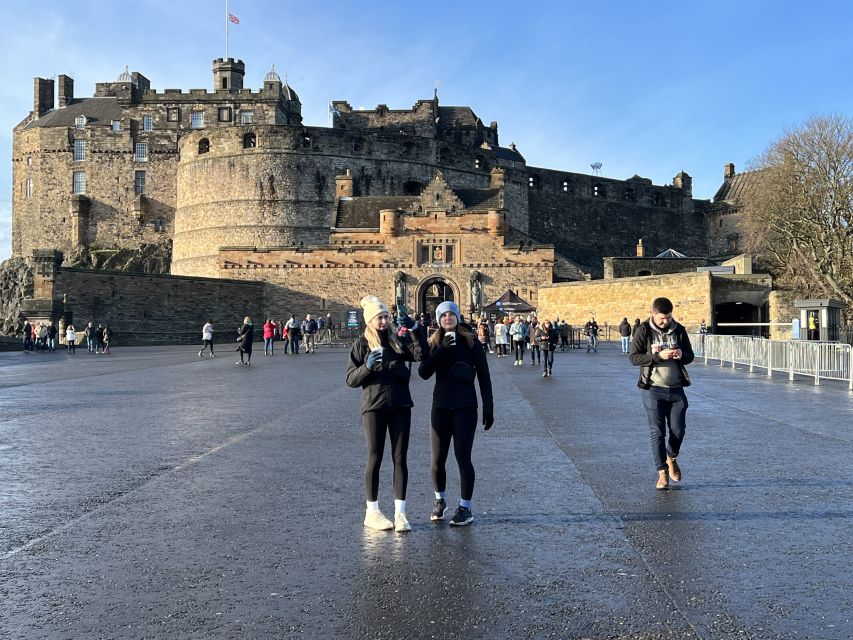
{"x":372,"y":306}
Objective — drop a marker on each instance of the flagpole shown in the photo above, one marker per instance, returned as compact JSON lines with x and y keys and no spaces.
{"x":227,"y":16}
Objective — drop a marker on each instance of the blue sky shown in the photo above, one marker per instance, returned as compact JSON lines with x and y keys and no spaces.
{"x":646,"y":88}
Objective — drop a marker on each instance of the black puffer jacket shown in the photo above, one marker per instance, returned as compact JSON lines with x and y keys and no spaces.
{"x":245,"y":337}
{"x":641,"y":352}
{"x":455,"y":369}
{"x":388,"y":386}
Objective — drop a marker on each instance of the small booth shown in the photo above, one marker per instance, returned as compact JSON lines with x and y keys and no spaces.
{"x":509,"y":304}
{"x":820,"y":319}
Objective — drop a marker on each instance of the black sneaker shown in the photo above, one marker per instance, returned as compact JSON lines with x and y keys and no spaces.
{"x":462,"y":517}
{"x":439,"y":511}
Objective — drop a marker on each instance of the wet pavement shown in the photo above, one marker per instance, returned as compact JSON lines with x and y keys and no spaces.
{"x":149,"y":494}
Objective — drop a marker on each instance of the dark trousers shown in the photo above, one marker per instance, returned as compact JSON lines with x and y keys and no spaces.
{"x":666,"y":409}
{"x":535,"y":353}
{"x":519,"y":349}
{"x":549,"y":360}
{"x":460,"y":426}
{"x":564,"y":342}
{"x":395,"y":422}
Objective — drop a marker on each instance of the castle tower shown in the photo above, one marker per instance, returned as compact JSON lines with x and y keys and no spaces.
{"x":343,"y":185}
{"x":228,"y":74}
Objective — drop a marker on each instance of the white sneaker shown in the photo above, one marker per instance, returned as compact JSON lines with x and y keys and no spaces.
{"x":199,"y":354}
{"x":375,"y":520}
{"x":401,"y":524}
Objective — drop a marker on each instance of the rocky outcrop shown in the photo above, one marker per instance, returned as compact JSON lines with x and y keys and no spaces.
{"x":149,"y":258}
{"x":16,"y":283}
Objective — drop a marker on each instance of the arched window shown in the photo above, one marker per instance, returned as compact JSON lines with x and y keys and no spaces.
{"x":249,"y":141}
{"x":628,"y":195}
{"x":203,"y":146}
{"x":306,"y":142}
{"x":409,"y":149}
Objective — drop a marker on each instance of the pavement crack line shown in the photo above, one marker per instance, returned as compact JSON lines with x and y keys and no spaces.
{"x":157,"y":476}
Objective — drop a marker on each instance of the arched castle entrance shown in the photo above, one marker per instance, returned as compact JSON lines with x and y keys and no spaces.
{"x":432,"y":292}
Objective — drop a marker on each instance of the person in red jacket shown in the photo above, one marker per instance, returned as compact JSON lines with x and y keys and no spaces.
{"x":269,"y":336}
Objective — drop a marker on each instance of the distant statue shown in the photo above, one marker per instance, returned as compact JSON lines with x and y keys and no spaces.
{"x":476,"y":291}
{"x":400,"y":289}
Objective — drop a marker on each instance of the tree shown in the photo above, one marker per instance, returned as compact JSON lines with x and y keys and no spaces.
{"x":798,"y":217}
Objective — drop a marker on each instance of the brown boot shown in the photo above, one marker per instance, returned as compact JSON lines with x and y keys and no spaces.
{"x":674,"y":469}
{"x":663,"y":480}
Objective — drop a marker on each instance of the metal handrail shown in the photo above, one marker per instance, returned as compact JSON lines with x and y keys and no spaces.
{"x":818,"y":360}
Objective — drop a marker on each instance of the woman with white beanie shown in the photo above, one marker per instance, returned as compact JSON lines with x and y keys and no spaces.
{"x":378,"y":364}
{"x":456,"y":357}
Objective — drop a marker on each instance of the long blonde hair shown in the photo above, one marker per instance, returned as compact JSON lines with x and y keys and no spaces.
{"x":375,"y":342}
{"x":462,"y":329}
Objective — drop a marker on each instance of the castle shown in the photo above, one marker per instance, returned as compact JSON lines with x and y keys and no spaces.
{"x":411,"y":204}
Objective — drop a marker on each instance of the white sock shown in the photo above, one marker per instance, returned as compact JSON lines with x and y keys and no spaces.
{"x":440,"y":495}
{"x":465,"y":503}
{"x":399,"y":506}
{"x":373,"y":506}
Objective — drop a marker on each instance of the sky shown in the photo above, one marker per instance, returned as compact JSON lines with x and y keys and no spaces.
{"x":647,"y":88}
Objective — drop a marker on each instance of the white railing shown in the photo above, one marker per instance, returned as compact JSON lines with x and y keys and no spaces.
{"x":818,"y":360}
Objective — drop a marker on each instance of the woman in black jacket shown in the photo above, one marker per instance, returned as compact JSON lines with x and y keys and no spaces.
{"x":245,"y":336}
{"x":548,"y":342}
{"x":456,"y":358}
{"x":378,"y":364}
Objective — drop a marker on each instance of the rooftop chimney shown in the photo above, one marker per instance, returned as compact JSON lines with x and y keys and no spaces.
{"x":66,"y":90}
{"x":42,"y":96}
{"x":729,"y":171}
{"x":641,"y":250}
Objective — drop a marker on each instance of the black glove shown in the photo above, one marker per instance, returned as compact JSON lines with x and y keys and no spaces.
{"x":488,"y":416}
{"x":448,"y":341}
{"x":405,"y":321}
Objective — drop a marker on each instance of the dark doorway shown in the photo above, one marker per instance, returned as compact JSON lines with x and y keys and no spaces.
{"x":433,"y":292}
{"x":738,"y":313}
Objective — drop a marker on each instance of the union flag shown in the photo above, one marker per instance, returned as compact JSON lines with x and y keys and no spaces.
{"x":233,"y":18}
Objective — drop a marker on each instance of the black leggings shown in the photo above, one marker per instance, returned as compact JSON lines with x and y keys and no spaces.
{"x":460,"y":425}
{"x":208,"y":344}
{"x":519,"y":349}
{"x":376,"y":423}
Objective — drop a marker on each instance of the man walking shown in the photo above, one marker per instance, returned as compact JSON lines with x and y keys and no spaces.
{"x":662,"y":349}
{"x":311,"y":329}
{"x":591,"y":329}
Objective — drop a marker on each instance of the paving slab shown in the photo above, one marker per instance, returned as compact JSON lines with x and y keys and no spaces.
{"x":150,"y":494}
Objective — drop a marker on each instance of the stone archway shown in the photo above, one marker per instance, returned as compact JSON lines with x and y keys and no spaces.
{"x":434,"y":290}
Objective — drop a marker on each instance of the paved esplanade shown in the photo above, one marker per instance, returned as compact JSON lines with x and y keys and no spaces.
{"x":149,"y":494}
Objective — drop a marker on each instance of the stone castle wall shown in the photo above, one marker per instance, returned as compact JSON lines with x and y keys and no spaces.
{"x":151,"y":309}
{"x":611,"y":300}
{"x":632,"y":267}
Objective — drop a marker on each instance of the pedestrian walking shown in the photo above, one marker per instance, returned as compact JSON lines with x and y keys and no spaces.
{"x":625,"y":333}
{"x":207,"y":339}
{"x":245,"y":337}
{"x":548,"y":343}
{"x":456,"y":358}
{"x":71,"y":338}
{"x":51,"y":336}
{"x":501,"y":338}
{"x":518,"y":333}
{"x":311,"y":329}
{"x":378,"y":364}
{"x":99,"y":339}
{"x":534,"y":337}
{"x":108,"y":337}
{"x":662,"y":348}
{"x":91,"y":340}
{"x":42,"y":337}
{"x":269,"y":337}
{"x":28,"y":336}
{"x":635,"y":327}
{"x":591,"y":330}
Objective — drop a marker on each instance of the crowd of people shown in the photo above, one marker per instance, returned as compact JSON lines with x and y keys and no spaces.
{"x":46,"y":336}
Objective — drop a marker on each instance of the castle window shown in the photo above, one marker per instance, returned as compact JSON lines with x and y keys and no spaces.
{"x":160,"y":224}
{"x":357,"y":145}
{"x":29,"y":161}
{"x":140,"y":152}
{"x":598,"y":191}
{"x":173,"y":114}
{"x":139,"y":182}
{"x":644,"y":273}
{"x":78,"y":182}
{"x":628,"y":195}
{"x":656,"y":198}
{"x":116,"y":125}
{"x":409,"y":149}
{"x":80,"y":122}
{"x":203,"y":146}
{"x":306,"y":142}
{"x":247,"y":117}
{"x":732,"y":243}
{"x":477,"y":163}
{"x":224,"y":83}
{"x":533,"y":182}
{"x":197,"y":120}
{"x":224,"y":114}
{"x":147,"y":123}
{"x":28,"y":188}
{"x":249,"y":141}
{"x":79,"y":150}
{"x":565,"y":186}
{"x":444,"y":155}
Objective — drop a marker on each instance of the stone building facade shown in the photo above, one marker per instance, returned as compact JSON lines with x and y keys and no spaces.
{"x":132,"y":165}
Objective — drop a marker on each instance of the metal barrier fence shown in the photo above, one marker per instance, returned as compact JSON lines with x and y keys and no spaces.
{"x":818,"y":360}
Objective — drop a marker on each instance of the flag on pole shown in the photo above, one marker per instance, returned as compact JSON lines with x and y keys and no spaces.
{"x":233,"y":18}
